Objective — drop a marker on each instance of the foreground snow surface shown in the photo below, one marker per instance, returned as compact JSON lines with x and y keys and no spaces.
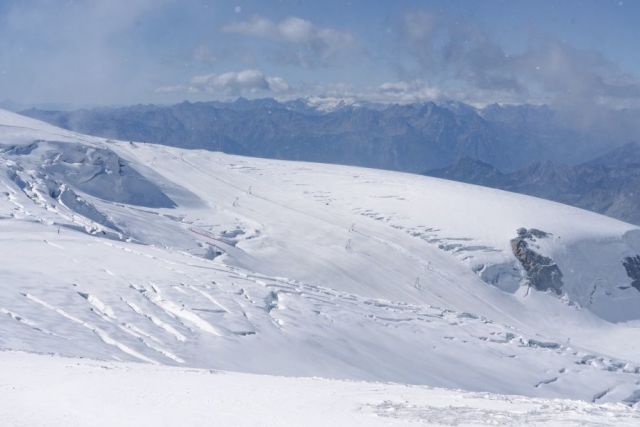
{"x":124,"y":251}
{"x":54,"y":391}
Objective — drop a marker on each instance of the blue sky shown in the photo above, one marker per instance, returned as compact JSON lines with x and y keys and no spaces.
{"x":136,"y":51}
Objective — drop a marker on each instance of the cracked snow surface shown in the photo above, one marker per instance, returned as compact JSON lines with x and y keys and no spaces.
{"x":131,"y":252}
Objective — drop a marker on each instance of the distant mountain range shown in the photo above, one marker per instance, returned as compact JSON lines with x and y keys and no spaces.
{"x":411,"y":138}
{"x":609,"y":184}
{"x":524,"y":148}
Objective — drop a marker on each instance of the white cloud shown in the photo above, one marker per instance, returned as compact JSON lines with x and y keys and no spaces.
{"x":397,"y":92}
{"x":408,"y":91}
{"x":320,"y":43}
{"x":458,"y":54}
{"x":277,"y":84}
{"x":231,"y":83}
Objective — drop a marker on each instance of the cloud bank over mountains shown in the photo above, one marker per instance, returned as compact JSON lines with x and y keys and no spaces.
{"x":167,"y":51}
{"x":546,"y":71}
{"x":304,"y":43}
{"x":443,"y":58}
{"x":231,"y":83}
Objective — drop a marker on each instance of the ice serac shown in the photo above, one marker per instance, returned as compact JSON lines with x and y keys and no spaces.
{"x":96,"y":171}
{"x":542,"y":272}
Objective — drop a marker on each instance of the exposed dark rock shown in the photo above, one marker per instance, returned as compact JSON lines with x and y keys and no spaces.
{"x":632,"y":265}
{"x":542,"y":273}
{"x":531,"y":233}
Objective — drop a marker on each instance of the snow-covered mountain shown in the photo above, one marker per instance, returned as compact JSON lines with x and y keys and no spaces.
{"x":607,"y":184}
{"x":538,"y":150}
{"x":140,"y":252}
{"x":410,"y":138}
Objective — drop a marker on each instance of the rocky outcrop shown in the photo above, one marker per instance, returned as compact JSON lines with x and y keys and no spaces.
{"x":632,"y":265}
{"x":542,"y":273}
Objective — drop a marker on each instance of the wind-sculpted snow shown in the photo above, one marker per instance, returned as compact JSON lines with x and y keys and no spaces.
{"x":98,"y":172}
{"x":305,"y":269}
{"x":121,"y":301}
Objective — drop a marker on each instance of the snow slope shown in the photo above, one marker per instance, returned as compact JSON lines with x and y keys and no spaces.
{"x":137,"y":252}
{"x":68,"y":392}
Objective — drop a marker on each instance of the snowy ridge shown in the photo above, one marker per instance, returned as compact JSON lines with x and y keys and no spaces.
{"x":137,"y":252}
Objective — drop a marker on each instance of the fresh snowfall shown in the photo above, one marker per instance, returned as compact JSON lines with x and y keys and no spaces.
{"x":147,"y":285}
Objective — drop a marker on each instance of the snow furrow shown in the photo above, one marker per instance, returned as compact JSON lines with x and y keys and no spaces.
{"x":156,"y":321}
{"x":106,"y":338}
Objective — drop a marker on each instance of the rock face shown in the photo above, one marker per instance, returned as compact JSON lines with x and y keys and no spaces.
{"x":542,"y":273}
{"x":632,"y":265}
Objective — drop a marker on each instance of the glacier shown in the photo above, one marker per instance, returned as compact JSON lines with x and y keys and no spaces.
{"x":125,"y":251}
